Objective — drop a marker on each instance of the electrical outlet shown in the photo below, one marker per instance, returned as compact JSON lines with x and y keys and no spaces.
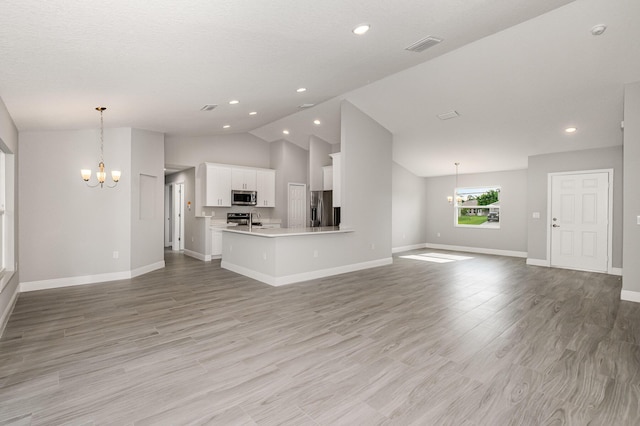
{"x":315,"y":253}
{"x":116,"y":255}
{"x":264,"y":256}
{"x":438,"y":235}
{"x":373,"y":246}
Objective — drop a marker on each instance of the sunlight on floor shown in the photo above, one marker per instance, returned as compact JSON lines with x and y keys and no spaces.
{"x":436,"y":257}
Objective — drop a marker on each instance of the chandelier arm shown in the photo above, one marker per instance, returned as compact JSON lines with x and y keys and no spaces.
{"x":92,"y":186}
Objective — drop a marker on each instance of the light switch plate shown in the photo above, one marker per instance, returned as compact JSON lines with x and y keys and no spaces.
{"x":536,"y":215}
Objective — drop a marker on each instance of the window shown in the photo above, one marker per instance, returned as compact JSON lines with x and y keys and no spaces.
{"x":477,"y":207}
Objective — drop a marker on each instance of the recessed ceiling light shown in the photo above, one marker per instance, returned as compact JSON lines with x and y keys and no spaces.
{"x":234,"y":102}
{"x":570,"y":130}
{"x":361,"y":29}
{"x":302,"y":89}
{"x":253,"y":113}
{"x":448,"y":115}
{"x":285,"y":131}
{"x":208,"y":107}
{"x":226,"y":126}
{"x":598,"y":29}
{"x":316,"y":122}
{"x":304,"y":106}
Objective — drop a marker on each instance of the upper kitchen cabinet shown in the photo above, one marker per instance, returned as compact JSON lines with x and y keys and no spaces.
{"x":243,"y":179}
{"x":266,"y":187}
{"x":217,"y":186}
{"x":337,"y":180}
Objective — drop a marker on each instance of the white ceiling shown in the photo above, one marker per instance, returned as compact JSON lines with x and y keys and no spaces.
{"x":517,"y":71}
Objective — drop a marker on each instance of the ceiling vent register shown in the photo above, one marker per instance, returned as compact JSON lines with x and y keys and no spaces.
{"x":423,"y":44}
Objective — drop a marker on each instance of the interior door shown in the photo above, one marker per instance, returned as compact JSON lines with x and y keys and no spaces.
{"x":297,"y":206}
{"x":167,"y":215}
{"x":579,"y":221}
{"x":178,"y":217}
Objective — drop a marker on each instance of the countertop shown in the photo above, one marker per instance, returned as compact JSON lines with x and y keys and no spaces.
{"x":285,"y":232}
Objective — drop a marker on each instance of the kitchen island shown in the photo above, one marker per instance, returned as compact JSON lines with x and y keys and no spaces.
{"x":287,"y":255}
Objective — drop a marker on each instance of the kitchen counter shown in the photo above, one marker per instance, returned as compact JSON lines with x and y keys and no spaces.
{"x":288,"y":255}
{"x":260,"y":231}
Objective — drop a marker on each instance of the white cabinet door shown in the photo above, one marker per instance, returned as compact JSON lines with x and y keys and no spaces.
{"x":266,"y":187}
{"x":243,"y":179}
{"x":216,"y":242}
{"x":337,"y":180}
{"x":327,"y":178}
{"x":218,"y":186}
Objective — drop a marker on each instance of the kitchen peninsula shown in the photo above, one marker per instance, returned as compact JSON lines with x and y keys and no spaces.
{"x":280,"y":256}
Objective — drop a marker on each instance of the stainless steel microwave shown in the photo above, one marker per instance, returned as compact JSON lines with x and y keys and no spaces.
{"x":244,"y":198}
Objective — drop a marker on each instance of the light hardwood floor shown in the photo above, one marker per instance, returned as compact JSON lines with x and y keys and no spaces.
{"x":484,"y":341}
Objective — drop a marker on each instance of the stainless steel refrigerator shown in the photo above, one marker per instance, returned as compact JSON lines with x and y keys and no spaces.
{"x":322,"y":211}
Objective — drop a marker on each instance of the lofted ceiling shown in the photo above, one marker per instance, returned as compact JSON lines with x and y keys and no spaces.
{"x":516,"y":71}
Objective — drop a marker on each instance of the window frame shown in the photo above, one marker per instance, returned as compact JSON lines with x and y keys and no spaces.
{"x":459,"y":195}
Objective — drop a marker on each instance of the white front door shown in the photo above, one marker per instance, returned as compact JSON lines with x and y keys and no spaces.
{"x":580,"y":221}
{"x":297,"y":206}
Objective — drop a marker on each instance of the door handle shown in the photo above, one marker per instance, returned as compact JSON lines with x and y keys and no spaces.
{"x":555,"y":226}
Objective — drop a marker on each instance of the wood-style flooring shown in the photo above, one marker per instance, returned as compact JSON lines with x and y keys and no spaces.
{"x":483,"y":341}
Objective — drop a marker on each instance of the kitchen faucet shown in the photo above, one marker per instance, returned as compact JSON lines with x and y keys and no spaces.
{"x":251,"y":218}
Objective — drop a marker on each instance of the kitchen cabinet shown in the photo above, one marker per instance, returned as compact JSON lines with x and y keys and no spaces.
{"x":217,"y":186}
{"x":327,"y":178}
{"x":216,"y":242}
{"x":337,"y":180}
{"x":266,"y":187}
{"x":243,"y":179}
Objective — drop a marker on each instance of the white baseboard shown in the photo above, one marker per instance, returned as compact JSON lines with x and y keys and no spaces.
{"x":197,"y":255}
{"x":88,"y":279}
{"x":305,"y":276}
{"x":630,"y":296}
{"x":407,"y":248}
{"x":7,"y":312}
{"x":510,"y":253}
{"x":616,"y":271}
{"x":146,"y":269}
{"x":538,"y":262}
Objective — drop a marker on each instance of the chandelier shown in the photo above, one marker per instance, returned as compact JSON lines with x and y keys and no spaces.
{"x":101,"y":175}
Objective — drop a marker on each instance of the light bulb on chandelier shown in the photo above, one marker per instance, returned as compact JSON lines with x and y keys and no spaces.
{"x":101,"y":175}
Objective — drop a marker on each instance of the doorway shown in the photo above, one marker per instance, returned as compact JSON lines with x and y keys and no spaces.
{"x":580,"y":231}
{"x":297,"y":205}
{"x":174,"y":216}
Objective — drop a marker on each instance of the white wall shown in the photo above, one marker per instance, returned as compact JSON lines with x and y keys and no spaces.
{"x":147,"y":226}
{"x":512,"y":235}
{"x":290,"y":162}
{"x":631,"y":266}
{"x":68,"y":229}
{"x":409,"y":208}
{"x":537,"y":185}
{"x":242,"y":149}
{"x":9,"y":142}
{"x":366,"y":185}
{"x":319,"y":151}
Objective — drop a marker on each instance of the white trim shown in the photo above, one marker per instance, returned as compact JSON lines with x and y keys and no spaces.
{"x":538,"y":262}
{"x":616,"y":271}
{"x":305,"y":276}
{"x":510,"y":253}
{"x":197,"y":255}
{"x":147,"y":268}
{"x":630,"y":296}
{"x":7,"y":313}
{"x":610,"y":269}
{"x":88,"y":279}
{"x":407,"y":248}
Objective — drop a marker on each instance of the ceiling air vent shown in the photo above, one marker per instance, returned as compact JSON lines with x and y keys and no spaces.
{"x":208,"y":107}
{"x":423,"y":44}
{"x":448,"y":115}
